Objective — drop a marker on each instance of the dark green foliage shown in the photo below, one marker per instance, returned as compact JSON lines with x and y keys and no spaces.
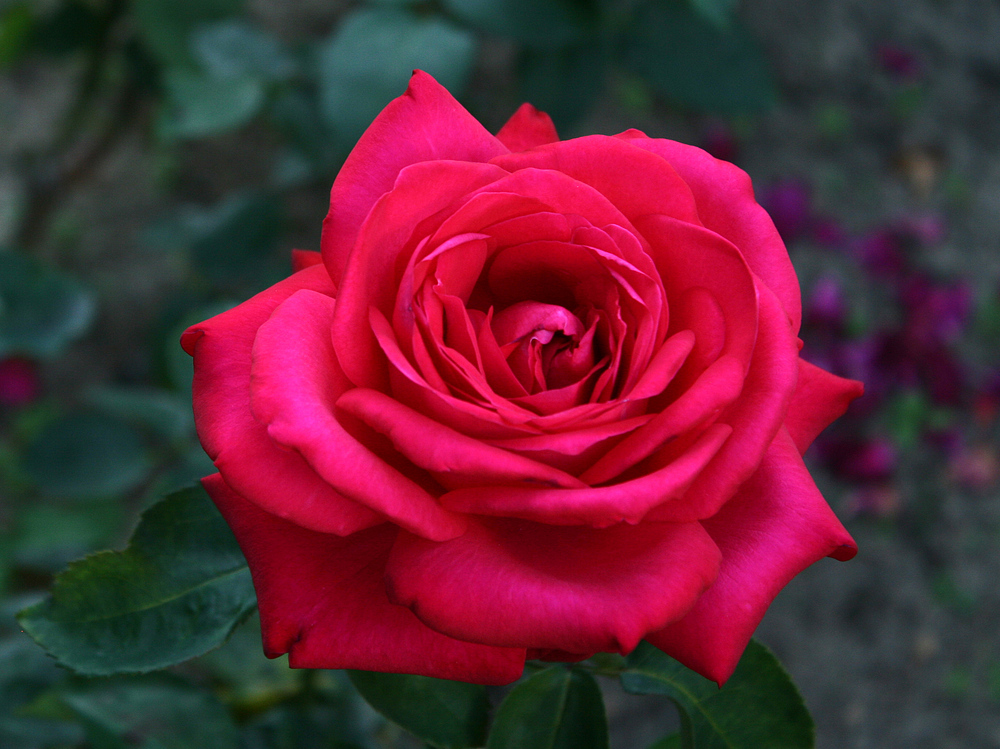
{"x":178,"y":590}
{"x":759,"y":706}
{"x":446,"y":714}
{"x":558,"y":708}
{"x":41,"y":309}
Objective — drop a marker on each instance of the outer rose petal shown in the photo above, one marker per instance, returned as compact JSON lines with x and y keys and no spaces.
{"x":776,"y":526}
{"x":302,"y":259}
{"x":255,"y":466}
{"x":322,"y":600}
{"x":295,"y":385}
{"x":819,"y":399}
{"x":726,"y":204}
{"x":612,"y":167}
{"x":527,"y":128}
{"x":516,"y":583}
{"x":424,"y":124}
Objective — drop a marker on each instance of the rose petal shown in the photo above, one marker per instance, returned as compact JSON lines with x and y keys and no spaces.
{"x":237,"y":442}
{"x":437,"y":448}
{"x":756,"y":417}
{"x":424,"y":124}
{"x":294,"y":388}
{"x":302,"y":259}
{"x":726,"y":205}
{"x":629,"y":501}
{"x":612,"y":166}
{"x":776,"y":526}
{"x":720,"y":384}
{"x":514,"y":583}
{"x":322,"y":600}
{"x":820,"y":398}
{"x":409,"y":386}
{"x":527,"y":128}
{"x":689,"y":256}
{"x":370,"y":278}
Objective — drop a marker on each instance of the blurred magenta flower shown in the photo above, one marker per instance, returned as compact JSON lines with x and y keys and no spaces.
{"x":19,"y":381}
{"x":826,"y":308}
{"x":789,"y":202}
{"x":899,"y":61}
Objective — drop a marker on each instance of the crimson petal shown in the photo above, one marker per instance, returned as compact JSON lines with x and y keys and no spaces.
{"x":323,"y":601}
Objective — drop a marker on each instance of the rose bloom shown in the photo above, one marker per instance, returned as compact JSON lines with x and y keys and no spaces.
{"x":535,"y":399}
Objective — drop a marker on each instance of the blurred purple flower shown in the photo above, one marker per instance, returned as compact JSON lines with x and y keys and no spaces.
{"x":899,"y":61}
{"x":826,"y":309}
{"x":19,"y":381}
{"x":881,"y":252}
{"x":935,"y":312}
{"x":789,"y":202}
{"x":827,"y":232}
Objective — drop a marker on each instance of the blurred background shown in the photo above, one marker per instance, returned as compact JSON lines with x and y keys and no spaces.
{"x":159,"y":159}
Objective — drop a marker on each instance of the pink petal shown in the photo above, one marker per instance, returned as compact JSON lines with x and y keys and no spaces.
{"x":690,"y":257}
{"x":819,"y":399}
{"x":424,"y":124}
{"x":409,"y":386}
{"x":629,"y":501}
{"x":776,"y":526}
{"x":370,"y":278}
{"x":613,"y":167}
{"x":513,"y":583}
{"x":527,"y":128}
{"x":718,"y":386}
{"x":437,"y":448}
{"x":665,"y":364}
{"x":726,"y":205}
{"x":756,"y":417}
{"x":295,"y":385}
{"x":302,"y":259}
{"x":278,"y":480}
{"x":323,"y":601}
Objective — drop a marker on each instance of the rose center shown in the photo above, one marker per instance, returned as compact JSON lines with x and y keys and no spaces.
{"x":546,"y":346}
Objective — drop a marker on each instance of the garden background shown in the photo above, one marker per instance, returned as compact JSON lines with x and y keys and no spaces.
{"x":159,"y":159}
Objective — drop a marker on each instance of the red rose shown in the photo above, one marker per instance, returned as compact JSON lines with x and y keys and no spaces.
{"x":536,"y":399}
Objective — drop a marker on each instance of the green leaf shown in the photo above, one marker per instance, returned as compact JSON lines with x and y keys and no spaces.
{"x":72,"y":26}
{"x":759,"y":706}
{"x":25,"y":674}
{"x":558,"y":708}
{"x":177,"y":591}
{"x":690,"y":60}
{"x":238,"y":237}
{"x":41,"y":309}
{"x":545,"y":24}
{"x":368,"y":61}
{"x":234,"y":48}
{"x":199,"y":105}
{"x":16,"y":26}
{"x":153,"y":713}
{"x":86,"y":456}
{"x":232,"y":242}
{"x":442,"y":713}
{"x":166,"y":25}
{"x":48,"y":536}
{"x":673,"y":741}
{"x":718,"y":12}
{"x":164,"y":413}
